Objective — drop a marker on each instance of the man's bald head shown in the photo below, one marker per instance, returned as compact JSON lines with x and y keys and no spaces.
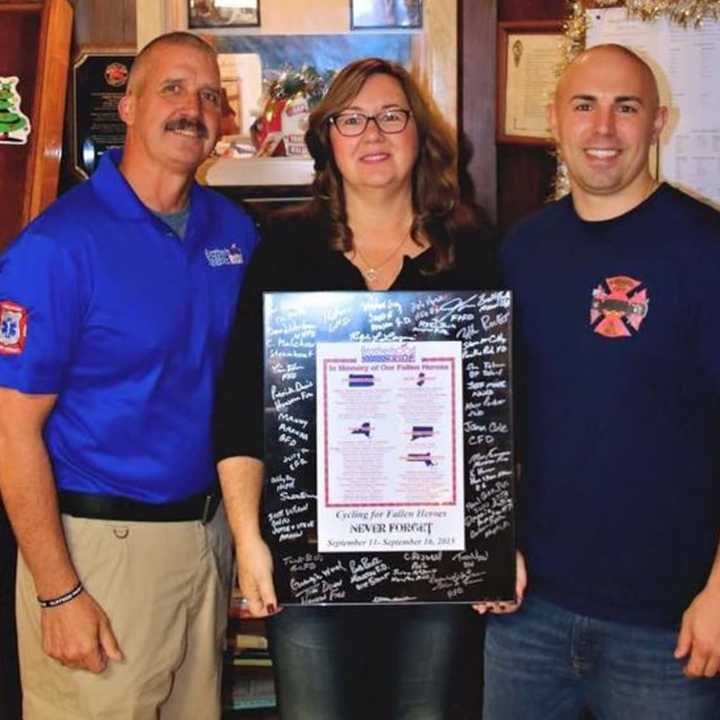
{"x":610,"y":52}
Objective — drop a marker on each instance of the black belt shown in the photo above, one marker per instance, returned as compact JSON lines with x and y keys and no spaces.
{"x":106,"y":507}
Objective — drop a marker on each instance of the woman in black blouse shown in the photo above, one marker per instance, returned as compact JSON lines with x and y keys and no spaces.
{"x":386,"y":215}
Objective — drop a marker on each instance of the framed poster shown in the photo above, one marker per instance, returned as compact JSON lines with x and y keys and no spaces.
{"x":373,"y":14}
{"x":529,"y":54}
{"x":389,"y":446}
{"x":223,"y":13}
{"x":99,"y":77}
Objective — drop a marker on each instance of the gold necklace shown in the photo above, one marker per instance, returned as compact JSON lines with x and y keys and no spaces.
{"x":371,"y":272}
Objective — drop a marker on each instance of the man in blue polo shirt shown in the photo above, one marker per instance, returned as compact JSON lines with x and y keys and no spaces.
{"x":115,"y":305}
{"x":618,"y":344}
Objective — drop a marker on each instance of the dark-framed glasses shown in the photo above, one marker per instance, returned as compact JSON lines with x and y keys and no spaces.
{"x":351,"y":124}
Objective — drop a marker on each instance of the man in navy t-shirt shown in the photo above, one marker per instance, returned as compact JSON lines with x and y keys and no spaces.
{"x":618,"y":348}
{"x":115,"y":305}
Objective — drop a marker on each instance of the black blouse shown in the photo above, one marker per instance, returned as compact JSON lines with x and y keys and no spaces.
{"x":294,"y":256}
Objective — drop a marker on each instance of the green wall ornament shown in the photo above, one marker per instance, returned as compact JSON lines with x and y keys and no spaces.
{"x":14,"y":124}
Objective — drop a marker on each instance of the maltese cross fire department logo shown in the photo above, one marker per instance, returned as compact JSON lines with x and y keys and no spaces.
{"x":619,"y":306}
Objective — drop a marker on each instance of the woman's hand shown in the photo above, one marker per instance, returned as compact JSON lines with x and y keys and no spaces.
{"x":241,"y":479}
{"x":520,"y":585}
{"x":255,"y":570}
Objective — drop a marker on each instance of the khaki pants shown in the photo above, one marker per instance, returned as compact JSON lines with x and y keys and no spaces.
{"x":165,"y":588}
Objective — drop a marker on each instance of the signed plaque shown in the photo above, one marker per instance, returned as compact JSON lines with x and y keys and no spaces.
{"x":389,"y":446}
{"x":99,"y":80}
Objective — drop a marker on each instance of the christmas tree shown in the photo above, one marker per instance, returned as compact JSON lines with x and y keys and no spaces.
{"x":12,"y":120}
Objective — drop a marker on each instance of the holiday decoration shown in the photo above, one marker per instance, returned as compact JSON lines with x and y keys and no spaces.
{"x":575,"y":28}
{"x":289,"y":95}
{"x":684,"y":12}
{"x":294,"y":123}
{"x":14,"y":125}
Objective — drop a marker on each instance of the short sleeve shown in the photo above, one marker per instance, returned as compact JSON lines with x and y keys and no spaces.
{"x":41,"y":311}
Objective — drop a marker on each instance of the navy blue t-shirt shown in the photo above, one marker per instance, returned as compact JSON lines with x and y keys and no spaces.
{"x":102,"y":305}
{"x":618,"y":369}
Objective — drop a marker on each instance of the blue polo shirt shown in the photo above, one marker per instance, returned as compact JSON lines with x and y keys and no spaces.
{"x":103,"y":305}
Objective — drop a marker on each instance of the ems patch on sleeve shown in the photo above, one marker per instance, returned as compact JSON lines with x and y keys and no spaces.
{"x":13,"y":327}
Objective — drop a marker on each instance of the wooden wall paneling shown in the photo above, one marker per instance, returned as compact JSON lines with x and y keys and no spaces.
{"x":104,"y":22}
{"x":525,"y":173}
{"x":476,"y":99}
{"x":19,"y":32}
{"x":525,"y":176}
{"x":43,"y":168}
{"x":532,"y":10}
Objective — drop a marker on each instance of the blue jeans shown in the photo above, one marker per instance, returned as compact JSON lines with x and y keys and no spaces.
{"x":546,"y":663}
{"x":379,"y":663}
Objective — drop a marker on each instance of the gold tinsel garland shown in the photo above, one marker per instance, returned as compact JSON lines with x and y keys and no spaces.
{"x":575,"y":28}
{"x":684,"y":12}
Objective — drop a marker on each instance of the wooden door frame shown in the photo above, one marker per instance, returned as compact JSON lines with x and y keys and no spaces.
{"x":476,"y":97}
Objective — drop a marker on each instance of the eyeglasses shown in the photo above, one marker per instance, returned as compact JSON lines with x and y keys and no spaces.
{"x":351,"y":124}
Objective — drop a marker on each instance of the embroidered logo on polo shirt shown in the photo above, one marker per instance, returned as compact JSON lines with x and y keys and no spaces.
{"x":226,"y":256}
{"x":619,"y":306}
{"x":13,"y":327}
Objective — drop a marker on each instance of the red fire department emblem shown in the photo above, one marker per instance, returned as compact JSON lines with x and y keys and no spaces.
{"x":619,"y":306}
{"x":116,"y":74}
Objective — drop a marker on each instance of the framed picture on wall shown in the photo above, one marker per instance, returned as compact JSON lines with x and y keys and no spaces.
{"x":373,"y":14}
{"x":529,"y":56}
{"x":223,"y":13}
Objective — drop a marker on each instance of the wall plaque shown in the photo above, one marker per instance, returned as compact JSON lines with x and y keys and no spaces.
{"x":99,"y":79}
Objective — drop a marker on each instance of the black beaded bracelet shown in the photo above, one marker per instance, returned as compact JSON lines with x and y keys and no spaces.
{"x":61,"y":599}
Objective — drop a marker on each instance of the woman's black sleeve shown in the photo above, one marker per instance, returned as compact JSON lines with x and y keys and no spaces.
{"x":238,"y":412}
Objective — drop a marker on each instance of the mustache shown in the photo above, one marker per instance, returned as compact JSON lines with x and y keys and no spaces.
{"x":186,"y":123}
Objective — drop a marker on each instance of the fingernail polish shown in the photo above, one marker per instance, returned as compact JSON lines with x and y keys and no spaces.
{"x":271,"y":609}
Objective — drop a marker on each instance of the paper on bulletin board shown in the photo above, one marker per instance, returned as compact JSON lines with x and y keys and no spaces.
{"x":685,"y":62}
